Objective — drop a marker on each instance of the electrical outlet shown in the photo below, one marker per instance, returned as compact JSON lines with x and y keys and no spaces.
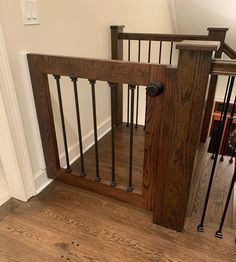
{"x":30,"y":12}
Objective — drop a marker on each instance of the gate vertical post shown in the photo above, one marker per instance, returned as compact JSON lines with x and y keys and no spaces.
{"x":182,"y":112}
{"x":117,"y":54}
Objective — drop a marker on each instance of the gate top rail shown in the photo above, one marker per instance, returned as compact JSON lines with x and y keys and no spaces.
{"x":97,"y":69}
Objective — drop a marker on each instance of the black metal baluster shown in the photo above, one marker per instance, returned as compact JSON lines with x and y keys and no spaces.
{"x":219,"y":231}
{"x":232,"y":154}
{"x":113,"y":181}
{"x":130,"y":183}
{"x":127,"y":124}
{"x":171,"y":51}
{"x":200,"y":227}
{"x":160,"y":49}
{"x":231,"y":119}
{"x":92,"y":83}
{"x":57,"y":78}
{"x":222,"y":111}
{"x":74,"y":80}
{"x":149,"y":51}
{"x":137,"y":102}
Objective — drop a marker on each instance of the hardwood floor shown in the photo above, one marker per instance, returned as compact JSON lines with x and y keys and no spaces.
{"x":203,"y":165}
{"x":220,"y":187}
{"x":64,"y":223}
{"x":121,"y":161}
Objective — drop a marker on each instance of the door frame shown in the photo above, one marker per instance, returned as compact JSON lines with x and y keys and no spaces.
{"x":15,"y":158}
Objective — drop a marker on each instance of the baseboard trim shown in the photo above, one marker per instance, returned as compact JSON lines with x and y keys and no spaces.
{"x":41,"y":179}
{"x":88,"y":142}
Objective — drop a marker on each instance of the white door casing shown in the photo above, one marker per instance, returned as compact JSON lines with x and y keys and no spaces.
{"x":13,"y":147}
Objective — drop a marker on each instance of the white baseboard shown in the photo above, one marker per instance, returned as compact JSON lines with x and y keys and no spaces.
{"x":41,"y":179}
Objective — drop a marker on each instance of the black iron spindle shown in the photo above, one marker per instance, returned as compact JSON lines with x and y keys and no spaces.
{"x":222,"y":111}
{"x":74,"y":80}
{"x":160,"y":49}
{"x":219,"y":233}
{"x":128,"y":92}
{"x":137,"y":101}
{"x":92,"y":83}
{"x":232,"y":154}
{"x":200,"y":227}
{"x":230,"y":124}
{"x":130,"y":183}
{"x":171,"y":51}
{"x":57,"y":78}
{"x":113,"y":181}
{"x":149,"y":51}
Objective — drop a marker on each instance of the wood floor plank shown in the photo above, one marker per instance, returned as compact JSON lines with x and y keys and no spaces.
{"x":220,"y":187}
{"x":105,"y":229}
{"x":122,"y":158}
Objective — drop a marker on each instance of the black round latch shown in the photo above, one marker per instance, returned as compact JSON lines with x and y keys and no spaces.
{"x":155,"y":88}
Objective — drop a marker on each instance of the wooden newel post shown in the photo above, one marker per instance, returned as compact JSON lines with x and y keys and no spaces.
{"x":214,"y":34}
{"x":182,"y":110}
{"x":117,"y":54}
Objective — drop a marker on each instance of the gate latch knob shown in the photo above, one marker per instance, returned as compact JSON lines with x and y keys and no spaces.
{"x":155,"y":88}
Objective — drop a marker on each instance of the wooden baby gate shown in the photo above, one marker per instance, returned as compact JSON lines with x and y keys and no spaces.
{"x":174,"y":110}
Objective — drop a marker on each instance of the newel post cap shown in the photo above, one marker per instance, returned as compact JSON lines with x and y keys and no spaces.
{"x":117,"y":26}
{"x":198,"y":45}
{"x":218,"y":29}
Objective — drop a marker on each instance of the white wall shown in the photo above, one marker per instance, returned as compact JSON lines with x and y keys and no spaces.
{"x":194,"y":16}
{"x":78,"y":28}
{"x":4,"y":190}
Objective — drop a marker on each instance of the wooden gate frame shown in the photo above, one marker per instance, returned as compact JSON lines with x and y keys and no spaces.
{"x":173,"y":123}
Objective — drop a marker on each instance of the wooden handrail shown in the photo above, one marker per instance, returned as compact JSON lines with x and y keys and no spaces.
{"x":223,"y":67}
{"x":229,"y":51}
{"x":160,"y":37}
{"x":99,"y":69}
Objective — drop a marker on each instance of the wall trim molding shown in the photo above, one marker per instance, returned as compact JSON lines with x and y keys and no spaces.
{"x":18,"y":144}
{"x":88,"y":142}
{"x":41,"y":179}
{"x":173,"y":16}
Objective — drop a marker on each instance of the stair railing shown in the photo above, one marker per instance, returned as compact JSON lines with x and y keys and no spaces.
{"x":119,"y":38}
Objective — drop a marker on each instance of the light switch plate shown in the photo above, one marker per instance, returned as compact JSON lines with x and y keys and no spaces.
{"x":30,"y":12}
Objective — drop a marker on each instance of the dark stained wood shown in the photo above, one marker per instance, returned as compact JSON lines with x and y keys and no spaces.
{"x":117,"y":54}
{"x":180,"y":130}
{"x":98,"y":69}
{"x":229,"y":51}
{"x":105,"y":189}
{"x":83,"y":226}
{"x":214,"y":34}
{"x":105,"y":70}
{"x":198,"y":45}
{"x":223,"y":67}
{"x":44,"y":112}
{"x":160,"y":37}
{"x":152,"y":139}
